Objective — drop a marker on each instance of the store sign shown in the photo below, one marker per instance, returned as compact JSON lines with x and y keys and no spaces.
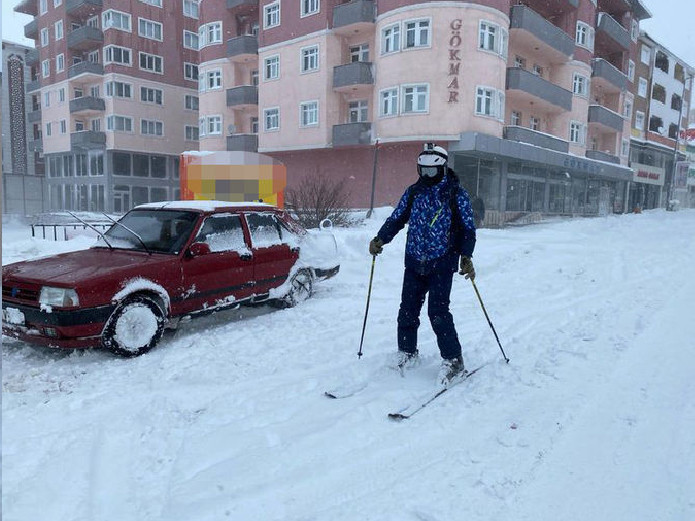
{"x":454,"y":60}
{"x":650,"y":175}
{"x":581,"y":165}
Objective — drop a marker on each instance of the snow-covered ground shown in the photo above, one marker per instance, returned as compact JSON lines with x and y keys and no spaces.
{"x":593,"y":419}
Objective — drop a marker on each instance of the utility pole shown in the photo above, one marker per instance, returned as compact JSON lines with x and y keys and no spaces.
{"x":671,"y":186}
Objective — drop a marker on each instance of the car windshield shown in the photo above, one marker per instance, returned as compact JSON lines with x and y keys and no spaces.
{"x":162,"y":231}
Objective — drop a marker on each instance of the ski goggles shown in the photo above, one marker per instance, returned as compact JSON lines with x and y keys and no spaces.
{"x":429,"y":171}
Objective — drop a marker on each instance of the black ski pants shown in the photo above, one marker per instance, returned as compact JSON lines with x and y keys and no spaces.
{"x":416,"y":286}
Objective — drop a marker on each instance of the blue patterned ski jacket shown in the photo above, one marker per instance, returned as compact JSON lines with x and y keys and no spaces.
{"x":432,"y":241}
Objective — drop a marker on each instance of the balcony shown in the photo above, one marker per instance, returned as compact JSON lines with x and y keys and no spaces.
{"x":554,"y":9}
{"x":85,"y":68}
{"x":32,"y":57}
{"x":31,"y":30}
{"x":611,"y":121}
{"x":351,"y":134}
{"x":352,"y":76}
{"x":607,"y":76}
{"x":242,"y":6}
{"x":87,"y":139}
{"x":35,"y":145}
{"x":34,"y":116}
{"x":85,"y":38}
{"x":539,"y":139}
{"x":532,"y":31}
{"x":531,"y":88}
{"x":602,"y":156}
{"x":242,"y":48}
{"x":87,"y":104}
{"x":83,"y":9}
{"x":353,"y":17}
{"x":610,"y":33}
{"x":242,"y":143}
{"x":29,"y":7}
{"x":242,"y":97}
{"x":34,"y":85}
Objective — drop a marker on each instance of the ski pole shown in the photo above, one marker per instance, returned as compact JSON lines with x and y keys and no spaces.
{"x":488,"y":320}
{"x":366,"y":311}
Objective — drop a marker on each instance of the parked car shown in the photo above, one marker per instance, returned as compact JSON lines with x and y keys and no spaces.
{"x":159,"y":263}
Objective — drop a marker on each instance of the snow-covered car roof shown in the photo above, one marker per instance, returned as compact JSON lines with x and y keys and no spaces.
{"x":205,"y":206}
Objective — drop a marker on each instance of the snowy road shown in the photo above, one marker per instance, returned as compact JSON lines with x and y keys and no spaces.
{"x":592,"y":419}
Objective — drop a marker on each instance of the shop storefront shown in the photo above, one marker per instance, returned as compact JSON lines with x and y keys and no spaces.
{"x":646,"y":187}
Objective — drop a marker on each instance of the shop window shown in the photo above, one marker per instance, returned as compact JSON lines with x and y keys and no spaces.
{"x":121,"y":163}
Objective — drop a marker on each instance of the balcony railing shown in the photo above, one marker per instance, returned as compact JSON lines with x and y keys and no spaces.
{"x":31,"y":30}
{"x":35,"y":145}
{"x":29,"y":7}
{"x":602,"y":156}
{"x":233,"y":4}
{"x":352,"y":13}
{"x":242,"y":47}
{"x":607,"y":118}
{"x":34,"y":85}
{"x":242,"y":143}
{"x":85,"y":37}
{"x":85,"y":68}
{"x":87,"y":104}
{"x":527,"y":19}
{"x":351,"y":134}
{"x":539,"y":139}
{"x":605,"y":23}
{"x":603,"y":69}
{"x":243,"y":95}
{"x":87,"y":139}
{"x":34,"y":116}
{"x":525,"y":81}
{"x":32,"y":57}
{"x":83,"y":8}
{"x":356,"y":73}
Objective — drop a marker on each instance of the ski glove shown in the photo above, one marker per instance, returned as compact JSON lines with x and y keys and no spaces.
{"x":467,"y":268}
{"x":376,"y":246}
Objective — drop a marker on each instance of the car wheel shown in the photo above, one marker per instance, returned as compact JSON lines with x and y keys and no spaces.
{"x":135,"y":327}
{"x":301,"y":288}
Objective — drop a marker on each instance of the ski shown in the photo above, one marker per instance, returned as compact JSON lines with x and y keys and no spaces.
{"x":420,"y":404}
{"x":345,"y":391}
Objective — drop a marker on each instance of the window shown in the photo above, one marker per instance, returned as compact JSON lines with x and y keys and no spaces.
{"x":358,"y":111}
{"x":254,"y":78}
{"x":309,"y":7}
{"x":417,"y":33}
{"x":271,"y":15}
{"x":115,"y":54}
{"x":634,"y":30}
{"x":149,"y":29}
{"x":214,"y":124}
{"x":151,"y":128}
{"x":254,"y":125}
{"x":673,"y":131}
{"x":537,"y":70}
{"x":656,"y":124}
{"x":95,"y":124}
{"x":645,"y":55}
{"x":576,"y":133}
{"x":46,"y":99}
{"x":45,"y":68}
{"x":642,"y":88}
{"x":190,"y":71}
{"x":63,"y":126}
{"x":389,"y":102}
{"x":60,"y":63}
{"x":43,"y":6}
{"x":391,"y":39}
{"x":580,"y":85}
{"x":492,"y":37}
{"x":92,"y":57}
{"x":59,"y":30}
{"x":271,"y":68}
{"x":639,"y":120}
{"x":631,"y":70}
{"x":627,"y":109}
{"x":625,"y":148}
{"x":48,"y":129}
{"x":118,"y":89}
{"x":310,"y":58}
{"x":57,"y":3}
{"x":191,"y":133}
{"x":148,"y":95}
{"x":119,"y":123}
{"x":519,"y":62}
{"x":661,"y":62}
{"x":416,"y":98}
{"x":489,"y":102}
{"x":61,"y":95}
{"x":584,"y":36}
{"x":659,"y":93}
{"x":151,"y":62}
{"x":156,"y":3}
{"x":190,"y":40}
{"x":676,"y":102}
{"x":213,"y":33}
{"x":191,"y":8}
{"x":271,"y":119}
{"x":223,"y":232}
{"x":44,"y":37}
{"x":516,"y":118}
{"x":359,"y":53}
{"x":309,"y":113}
{"x":214,"y":79}
{"x":115,"y":20}
{"x":190,"y":102}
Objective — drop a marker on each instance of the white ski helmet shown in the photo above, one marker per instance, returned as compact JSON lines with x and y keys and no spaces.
{"x":432,"y":162}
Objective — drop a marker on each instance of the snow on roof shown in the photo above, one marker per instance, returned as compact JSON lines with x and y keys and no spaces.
{"x":205,"y":206}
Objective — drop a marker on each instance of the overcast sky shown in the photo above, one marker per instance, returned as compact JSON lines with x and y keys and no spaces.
{"x":672,"y":25}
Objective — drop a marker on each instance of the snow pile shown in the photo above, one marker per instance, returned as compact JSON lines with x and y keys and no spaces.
{"x":226,"y":419}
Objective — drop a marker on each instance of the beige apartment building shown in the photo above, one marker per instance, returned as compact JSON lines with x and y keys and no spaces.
{"x":114,"y":98}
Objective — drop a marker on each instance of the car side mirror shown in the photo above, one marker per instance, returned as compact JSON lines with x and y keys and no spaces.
{"x":199,"y":248}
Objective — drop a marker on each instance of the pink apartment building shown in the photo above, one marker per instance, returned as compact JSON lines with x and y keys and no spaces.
{"x":114,"y":98}
{"x":531,"y":98}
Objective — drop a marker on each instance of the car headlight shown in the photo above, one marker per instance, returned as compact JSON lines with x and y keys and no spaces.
{"x":59,"y":297}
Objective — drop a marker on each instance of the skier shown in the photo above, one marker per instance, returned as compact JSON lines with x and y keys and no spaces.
{"x":441,"y":230}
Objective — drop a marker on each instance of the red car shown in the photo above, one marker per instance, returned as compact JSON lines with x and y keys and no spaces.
{"x":159,"y":263}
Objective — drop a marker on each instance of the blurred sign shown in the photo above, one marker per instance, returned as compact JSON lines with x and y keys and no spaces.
{"x":648,"y":174}
{"x":681,"y":178}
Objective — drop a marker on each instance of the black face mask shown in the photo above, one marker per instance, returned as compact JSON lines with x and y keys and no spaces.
{"x":431,"y":175}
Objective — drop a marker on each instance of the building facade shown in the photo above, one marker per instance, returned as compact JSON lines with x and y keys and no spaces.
{"x":114,"y":94}
{"x":532,"y":99}
{"x":22,"y":168}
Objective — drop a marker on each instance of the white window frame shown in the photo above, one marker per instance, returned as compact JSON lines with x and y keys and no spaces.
{"x":271,"y":15}
{"x":213,"y":79}
{"x":639,"y":120}
{"x":45,"y":68}
{"x":61,"y":95}
{"x":155,"y":58}
{"x":267,"y":114}
{"x":309,"y":113}
{"x":309,"y":7}
{"x":150,"y":29}
{"x":489,"y":102}
{"x":627,"y":108}
{"x":43,"y":36}
{"x":642,"y":88}
{"x":151,"y":127}
{"x":359,"y":51}
{"x":577,"y":130}
{"x":360,"y":108}
{"x":580,"y":85}
{"x":57,"y":3}
{"x":584,"y":36}
{"x":155,"y":3}
{"x":112,"y":119}
{"x":48,"y":128}
{"x":59,"y":30}
{"x":422,"y":33}
{"x":43,"y":6}
{"x":112,"y":88}
{"x":631,"y":71}
{"x":108,"y":50}
{"x":309,"y":59}
{"x":189,"y":11}
{"x":271,"y":67}
{"x":213,"y":33}
{"x":151,"y":92}
{"x":188,"y":134}
{"x":113,"y":19}
{"x":391,"y":39}
{"x":47,"y":99}
{"x":214,"y":125}
{"x":625,"y":148}
{"x":646,"y":54}
{"x":186,"y":102}
{"x":191,"y":40}
{"x":414,"y":93}
{"x":192,"y":67}
{"x":60,"y":63}
{"x":493,"y":38}
{"x":63,"y":126}
{"x":388,"y":102}
{"x":634,"y":30}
